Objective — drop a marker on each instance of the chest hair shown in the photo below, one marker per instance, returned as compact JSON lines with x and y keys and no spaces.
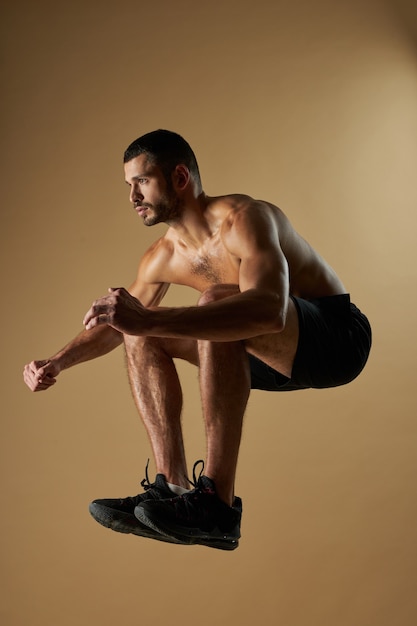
{"x":208,"y":269}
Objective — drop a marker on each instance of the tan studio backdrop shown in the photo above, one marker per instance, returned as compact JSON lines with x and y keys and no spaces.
{"x":311,"y":105}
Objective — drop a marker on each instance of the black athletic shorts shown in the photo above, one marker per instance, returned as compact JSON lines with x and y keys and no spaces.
{"x":333,"y":347}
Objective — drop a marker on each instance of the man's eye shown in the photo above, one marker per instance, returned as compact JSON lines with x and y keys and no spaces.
{"x":142,"y":181}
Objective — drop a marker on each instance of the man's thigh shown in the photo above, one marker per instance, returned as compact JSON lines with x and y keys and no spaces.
{"x":278,"y":349}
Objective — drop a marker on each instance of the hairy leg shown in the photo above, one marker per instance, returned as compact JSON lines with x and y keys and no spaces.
{"x":158,"y":396}
{"x":225,"y":389}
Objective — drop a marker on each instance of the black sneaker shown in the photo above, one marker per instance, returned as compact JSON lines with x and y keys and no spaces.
{"x":118,"y":513}
{"x":196,"y":517}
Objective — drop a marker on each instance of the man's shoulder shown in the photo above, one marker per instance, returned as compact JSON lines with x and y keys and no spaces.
{"x":245,"y":211}
{"x":156,"y":256}
{"x":161,"y":247}
{"x":230,"y":201}
{"x":237,"y":202}
{"x":228,"y":207}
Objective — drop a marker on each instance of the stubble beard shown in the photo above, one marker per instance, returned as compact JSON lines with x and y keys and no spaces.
{"x":167,"y":210}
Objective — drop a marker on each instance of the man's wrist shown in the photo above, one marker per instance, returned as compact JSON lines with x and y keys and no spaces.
{"x":58,"y":362}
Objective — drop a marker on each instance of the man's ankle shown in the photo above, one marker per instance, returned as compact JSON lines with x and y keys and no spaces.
{"x":224,"y":492}
{"x":177,"y":490}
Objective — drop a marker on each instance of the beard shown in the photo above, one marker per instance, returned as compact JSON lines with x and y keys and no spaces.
{"x":166,"y":210}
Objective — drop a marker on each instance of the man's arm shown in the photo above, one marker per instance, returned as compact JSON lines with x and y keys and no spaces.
{"x":251,"y":236}
{"x":89,"y":344}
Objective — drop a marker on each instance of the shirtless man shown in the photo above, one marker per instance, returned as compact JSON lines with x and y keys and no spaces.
{"x":272,"y":315}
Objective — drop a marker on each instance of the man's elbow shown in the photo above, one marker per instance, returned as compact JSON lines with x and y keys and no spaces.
{"x":277,"y":322}
{"x":276,"y":314}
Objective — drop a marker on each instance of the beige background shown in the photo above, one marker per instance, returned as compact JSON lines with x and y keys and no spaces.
{"x":311,"y":105}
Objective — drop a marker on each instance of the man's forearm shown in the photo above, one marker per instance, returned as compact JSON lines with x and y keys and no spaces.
{"x":89,"y":344}
{"x":234,"y":318}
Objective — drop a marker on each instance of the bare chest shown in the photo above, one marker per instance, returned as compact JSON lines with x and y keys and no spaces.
{"x":209,"y":268}
{"x":202,"y":269}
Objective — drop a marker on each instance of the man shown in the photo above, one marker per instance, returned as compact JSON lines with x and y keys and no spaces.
{"x":272,"y":315}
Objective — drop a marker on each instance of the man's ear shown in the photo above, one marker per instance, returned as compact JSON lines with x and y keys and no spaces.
{"x":181,"y":177}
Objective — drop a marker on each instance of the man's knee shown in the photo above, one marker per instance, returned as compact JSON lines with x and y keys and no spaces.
{"x":155,"y":348}
{"x":217,"y":292}
{"x":133,"y":343}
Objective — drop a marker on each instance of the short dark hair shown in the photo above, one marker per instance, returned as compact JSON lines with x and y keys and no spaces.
{"x":167,"y":150}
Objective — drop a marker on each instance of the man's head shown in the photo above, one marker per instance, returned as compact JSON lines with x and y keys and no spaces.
{"x":165,"y":149}
{"x":162,"y":171}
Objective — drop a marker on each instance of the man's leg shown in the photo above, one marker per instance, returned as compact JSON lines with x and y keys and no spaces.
{"x":225,"y":388}
{"x":157,"y":393}
{"x":225,"y":383}
{"x":158,"y":396}
{"x":211,"y":515}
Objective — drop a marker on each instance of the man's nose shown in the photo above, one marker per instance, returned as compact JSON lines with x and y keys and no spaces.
{"x":135,"y":195}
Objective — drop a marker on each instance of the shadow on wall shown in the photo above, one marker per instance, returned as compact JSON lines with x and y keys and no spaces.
{"x":405,"y":11}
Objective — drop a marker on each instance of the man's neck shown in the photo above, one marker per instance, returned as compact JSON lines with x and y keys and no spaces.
{"x":192,"y":228}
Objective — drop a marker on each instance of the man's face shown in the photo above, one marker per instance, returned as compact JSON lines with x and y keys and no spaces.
{"x":153,"y":198}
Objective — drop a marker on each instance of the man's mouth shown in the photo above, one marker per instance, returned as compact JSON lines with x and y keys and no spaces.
{"x":141,"y":209}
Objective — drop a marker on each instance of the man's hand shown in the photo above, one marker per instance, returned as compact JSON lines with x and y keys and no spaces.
{"x":120,"y":310}
{"x":40,"y":375}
